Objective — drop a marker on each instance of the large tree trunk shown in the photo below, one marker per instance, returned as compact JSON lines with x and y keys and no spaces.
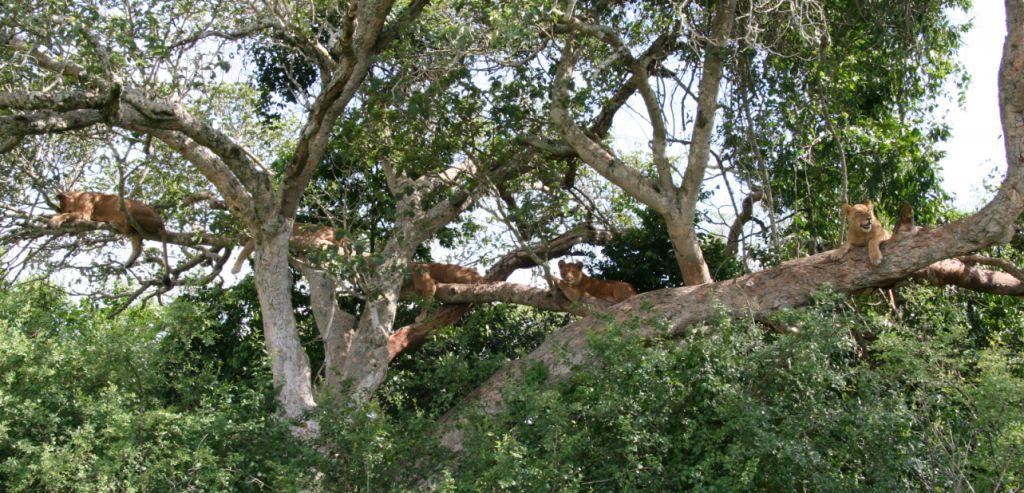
{"x":337,"y":327}
{"x":687,"y":250}
{"x":683,"y":212}
{"x":367,"y":362}
{"x":288,"y":361}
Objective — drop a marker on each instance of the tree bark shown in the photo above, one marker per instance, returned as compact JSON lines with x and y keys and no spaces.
{"x":686,"y":247}
{"x":367,"y":362}
{"x":684,"y":239}
{"x":746,"y":213}
{"x":288,"y":360}
{"x":336,"y":326}
{"x":954,"y":272}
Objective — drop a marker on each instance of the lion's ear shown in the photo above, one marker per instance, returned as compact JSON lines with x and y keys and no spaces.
{"x":561,"y":263}
{"x":846,"y":209}
{"x":869,"y":204}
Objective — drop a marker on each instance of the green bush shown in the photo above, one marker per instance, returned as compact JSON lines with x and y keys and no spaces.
{"x":91,"y":404}
{"x":178,"y":399}
{"x":734,"y":408}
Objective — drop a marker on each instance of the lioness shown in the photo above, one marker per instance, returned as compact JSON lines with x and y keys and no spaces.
{"x":574,"y":283}
{"x":304,"y":236}
{"x":865,"y":229}
{"x":106,"y":208}
{"x":425,"y":276}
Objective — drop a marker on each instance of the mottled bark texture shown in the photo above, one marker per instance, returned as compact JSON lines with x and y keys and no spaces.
{"x":288,"y":360}
{"x":670,"y":312}
{"x":336,"y":326}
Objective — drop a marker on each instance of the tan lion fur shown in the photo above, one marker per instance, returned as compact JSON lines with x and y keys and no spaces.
{"x":308,"y":236}
{"x":865,"y":229}
{"x":106,"y":208}
{"x":425,"y":276}
{"x":574,"y":283}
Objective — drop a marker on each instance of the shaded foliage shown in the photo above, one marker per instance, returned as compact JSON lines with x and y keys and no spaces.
{"x":140,"y":403}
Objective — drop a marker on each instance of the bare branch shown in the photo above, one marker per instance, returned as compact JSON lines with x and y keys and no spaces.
{"x":956,"y":272}
{"x":640,"y":82}
{"x":599,"y":158}
{"x":732,"y":242}
{"x":1006,"y":266}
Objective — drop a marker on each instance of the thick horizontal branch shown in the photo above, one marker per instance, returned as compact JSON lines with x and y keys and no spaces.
{"x":519,"y":294}
{"x":413,"y":335}
{"x":189,"y":239}
{"x":55,"y":101}
{"x":49,"y":122}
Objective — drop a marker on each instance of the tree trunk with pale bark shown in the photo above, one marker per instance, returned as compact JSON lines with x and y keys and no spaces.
{"x":288,"y":360}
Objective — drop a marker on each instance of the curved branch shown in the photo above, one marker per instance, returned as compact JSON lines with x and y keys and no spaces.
{"x":955,"y":272}
{"x":732,"y":242}
{"x":599,"y":158}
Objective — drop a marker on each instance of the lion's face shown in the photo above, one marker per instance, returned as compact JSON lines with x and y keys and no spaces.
{"x":571,"y":272}
{"x":63,"y":200}
{"x":861,"y":215}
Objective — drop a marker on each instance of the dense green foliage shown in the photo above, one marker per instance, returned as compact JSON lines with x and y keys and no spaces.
{"x":734,"y":409}
{"x":138,"y":403}
{"x":169,"y":400}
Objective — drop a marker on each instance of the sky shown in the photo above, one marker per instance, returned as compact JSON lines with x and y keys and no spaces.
{"x":975,"y":150}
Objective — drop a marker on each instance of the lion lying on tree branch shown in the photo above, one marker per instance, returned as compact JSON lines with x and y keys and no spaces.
{"x":105,"y":208}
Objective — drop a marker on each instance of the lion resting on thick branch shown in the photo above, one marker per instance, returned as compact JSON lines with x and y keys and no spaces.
{"x":575,"y":283}
{"x":106,"y":208}
{"x":308,"y":236}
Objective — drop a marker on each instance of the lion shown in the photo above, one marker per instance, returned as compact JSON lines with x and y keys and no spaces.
{"x":308,"y":236}
{"x":575,"y":283}
{"x":865,"y":229}
{"x":106,"y":208}
{"x":425,"y":276}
